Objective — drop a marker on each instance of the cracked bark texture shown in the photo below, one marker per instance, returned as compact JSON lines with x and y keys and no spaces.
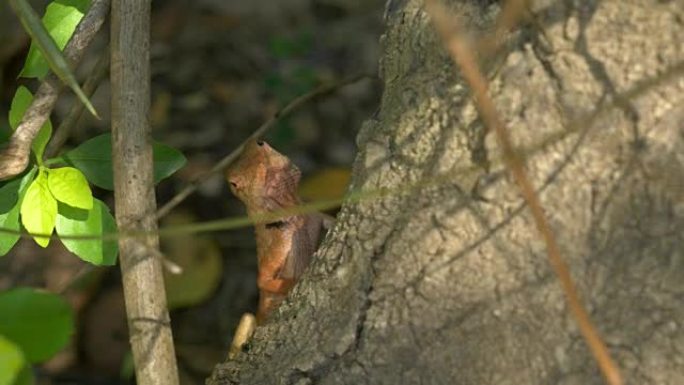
{"x":449,"y":283}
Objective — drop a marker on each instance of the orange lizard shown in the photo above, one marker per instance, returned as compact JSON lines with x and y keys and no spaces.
{"x":266,"y":181}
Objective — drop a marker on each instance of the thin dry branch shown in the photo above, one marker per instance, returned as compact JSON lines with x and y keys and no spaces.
{"x":507,"y":19}
{"x":140,"y":259}
{"x":15,"y":157}
{"x":580,"y":124}
{"x":98,"y":73}
{"x":277,"y":117}
{"x":463,"y":56}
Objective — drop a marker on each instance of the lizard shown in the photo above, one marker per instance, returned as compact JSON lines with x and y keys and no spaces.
{"x":267,"y":181}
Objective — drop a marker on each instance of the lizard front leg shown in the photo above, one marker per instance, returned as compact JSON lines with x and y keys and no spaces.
{"x":269,"y":278}
{"x":272,"y":288}
{"x":272,"y":291}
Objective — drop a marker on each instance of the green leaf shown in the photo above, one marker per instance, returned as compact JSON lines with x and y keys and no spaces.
{"x":167,"y":160}
{"x":96,"y":221}
{"x":11,"y":361}
{"x":39,"y":209}
{"x":22,"y":99}
{"x":60,"y":20}
{"x":25,"y":377}
{"x":40,"y":323}
{"x":55,"y":59}
{"x":10,"y":221}
{"x":94,"y":158}
{"x":11,"y":194}
{"x":68,"y":185}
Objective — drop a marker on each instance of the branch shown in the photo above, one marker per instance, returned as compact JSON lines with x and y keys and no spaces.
{"x":507,"y":19}
{"x":580,"y":124}
{"x":141,"y":262}
{"x":463,"y":56}
{"x":228,"y":159}
{"x":15,"y":157}
{"x":89,"y":87}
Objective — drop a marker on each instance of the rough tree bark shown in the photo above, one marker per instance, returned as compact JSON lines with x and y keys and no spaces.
{"x":450,"y":284}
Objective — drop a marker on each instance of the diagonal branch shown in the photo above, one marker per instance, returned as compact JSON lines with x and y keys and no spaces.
{"x":62,"y":132}
{"x":277,"y":117}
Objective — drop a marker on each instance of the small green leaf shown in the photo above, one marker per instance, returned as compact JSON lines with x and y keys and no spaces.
{"x":20,"y":102}
{"x":167,"y":160}
{"x":94,"y":158}
{"x":60,"y":20}
{"x":55,"y":59}
{"x":10,"y":221}
{"x":11,"y":194}
{"x":96,"y":221}
{"x":25,"y":377}
{"x":22,"y":99}
{"x":40,"y":323}
{"x":39,"y":209}
{"x":11,"y":361}
{"x":68,"y":185}
{"x":41,"y":140}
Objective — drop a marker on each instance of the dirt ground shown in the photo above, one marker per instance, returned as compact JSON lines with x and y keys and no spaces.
{"x":220,"y":69}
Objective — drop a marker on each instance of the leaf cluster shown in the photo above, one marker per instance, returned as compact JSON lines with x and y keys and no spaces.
{"x":54,"y":195}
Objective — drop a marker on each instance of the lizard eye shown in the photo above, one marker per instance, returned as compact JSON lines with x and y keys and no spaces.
{"x":260,"y":143}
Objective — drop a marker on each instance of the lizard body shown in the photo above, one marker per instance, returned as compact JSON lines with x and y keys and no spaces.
{"x":266,"y":181}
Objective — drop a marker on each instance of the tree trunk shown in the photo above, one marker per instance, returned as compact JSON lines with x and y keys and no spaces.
{"x":445,"y":280}
{"x":149,"y":326}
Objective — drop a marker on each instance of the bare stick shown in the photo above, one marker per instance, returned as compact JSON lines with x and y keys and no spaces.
{"x":141,"y":262}
{"x":228,"y":159}
{"x":464,"y":58}
{"x":577,"y":125}
{"x":92,"y":82}
{"x":506,"y":20}
{"x":14,"y":158}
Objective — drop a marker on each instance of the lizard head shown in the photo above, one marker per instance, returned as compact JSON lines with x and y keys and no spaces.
{"x":263,"y":179}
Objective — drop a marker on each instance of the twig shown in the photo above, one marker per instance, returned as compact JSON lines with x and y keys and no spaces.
{"x":14,"y":158}
{"x":506,"y":20}
{"x":85,"y":269}
{"x":228,"y":159}
{"x":464,"y":58}
{"x":140,"y":259}
{"x":578,"y":125}
{"x":94,"y":79}
{"x":47,"y":46}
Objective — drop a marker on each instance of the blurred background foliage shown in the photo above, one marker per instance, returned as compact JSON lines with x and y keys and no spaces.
{"x":219,"y":69}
